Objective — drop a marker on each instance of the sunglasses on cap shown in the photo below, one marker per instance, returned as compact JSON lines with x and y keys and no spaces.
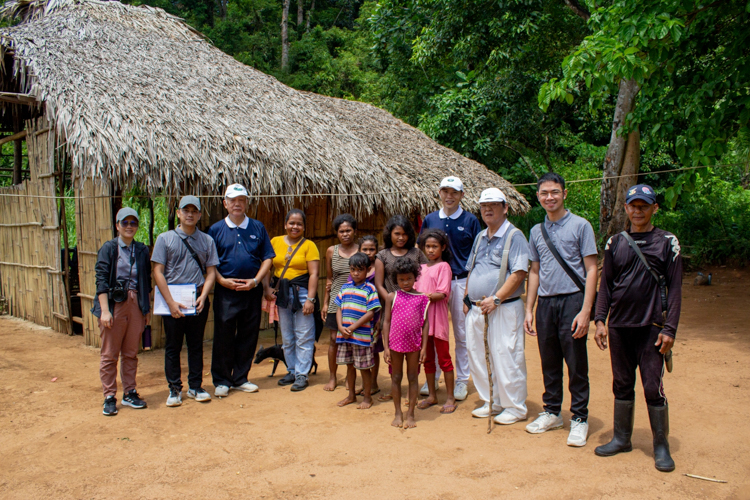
{"x":131,"y":223}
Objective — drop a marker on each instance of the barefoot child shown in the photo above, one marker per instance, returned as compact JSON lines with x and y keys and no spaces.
{"x":405,"y":329}
{"x":435,"y":282}
{"x":357,"y":302}
{"x":368,"y":245}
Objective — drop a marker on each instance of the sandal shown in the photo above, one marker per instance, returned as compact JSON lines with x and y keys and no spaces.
{"x":424,"y":404}
{"x":385,"y":397}
{"x":448,"y":408}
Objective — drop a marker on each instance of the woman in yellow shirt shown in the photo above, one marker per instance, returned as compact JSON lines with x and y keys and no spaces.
{"x":295,"y":292}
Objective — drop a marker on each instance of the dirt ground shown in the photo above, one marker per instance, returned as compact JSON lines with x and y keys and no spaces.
{"x":279,"y":444}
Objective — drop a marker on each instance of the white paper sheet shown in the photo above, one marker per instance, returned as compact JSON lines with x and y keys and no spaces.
{"x":182,"y":294}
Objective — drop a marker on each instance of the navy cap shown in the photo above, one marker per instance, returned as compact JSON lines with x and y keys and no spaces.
{"x":641,"y":192}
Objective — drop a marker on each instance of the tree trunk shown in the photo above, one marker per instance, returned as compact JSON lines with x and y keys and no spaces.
{"x":285,"y":36}
{"x":615,"y":158}
{"x":300,"y":13}
{"x":309,"y":15}
{"x":210,"y":12}
{"x":629,"y":177}
{"x":222,"y":5}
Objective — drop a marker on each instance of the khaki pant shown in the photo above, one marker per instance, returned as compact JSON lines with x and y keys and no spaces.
{"x":122,"y":340}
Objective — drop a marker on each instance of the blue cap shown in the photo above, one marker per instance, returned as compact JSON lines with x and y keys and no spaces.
{"x":641,"y":192}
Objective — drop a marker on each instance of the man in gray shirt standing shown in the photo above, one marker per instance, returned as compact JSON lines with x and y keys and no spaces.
{"x":496,"y":285}
{"x":184,"y":256}
{"x":564,"y":310}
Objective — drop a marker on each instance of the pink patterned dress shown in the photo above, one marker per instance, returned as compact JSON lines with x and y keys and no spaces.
{"x":408,"y":313}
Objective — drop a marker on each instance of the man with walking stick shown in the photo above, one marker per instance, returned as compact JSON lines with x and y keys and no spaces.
{"x":640,"y":295}
{"x":497,"y":267}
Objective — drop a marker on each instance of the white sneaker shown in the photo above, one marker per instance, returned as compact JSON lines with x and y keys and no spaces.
{"x":221,"y":391}
{"x":175,"y":398}
{"x":507,"y":418}
{"x":461,"y":391}
{"x":484,"y":411}
{"x":199,"y":395}
{"x":545,"y":422}
{"x":246,"y":387}
{"x":579,"y":431}
{"x":424,"y":391}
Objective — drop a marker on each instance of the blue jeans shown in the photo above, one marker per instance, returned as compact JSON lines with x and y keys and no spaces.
{"x":298,"y":335}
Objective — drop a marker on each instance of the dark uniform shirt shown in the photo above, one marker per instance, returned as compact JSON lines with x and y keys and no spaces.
{"x":628,"y":293}
{"x":461,"y":227}
{"x":241,"y":249}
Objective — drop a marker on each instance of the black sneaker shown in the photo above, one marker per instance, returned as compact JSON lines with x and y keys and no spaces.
{"x":133,"y":400}
{"x":300,"y":383}
{"x":110,"y":406}
{"x":288,"y":379}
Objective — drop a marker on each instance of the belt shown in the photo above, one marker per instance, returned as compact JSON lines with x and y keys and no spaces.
{"x":460,"y":276}
{"x":508,"y":301}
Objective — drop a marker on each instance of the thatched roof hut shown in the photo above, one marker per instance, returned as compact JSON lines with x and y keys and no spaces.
{"x":114,"y":96}
{"x":139,"y":97}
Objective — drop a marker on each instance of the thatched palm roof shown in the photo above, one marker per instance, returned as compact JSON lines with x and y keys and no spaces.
{"x":140,"y":98}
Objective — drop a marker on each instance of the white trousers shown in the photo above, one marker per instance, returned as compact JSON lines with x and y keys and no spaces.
{"x":456,"y":307}
{"x":507,"y":357}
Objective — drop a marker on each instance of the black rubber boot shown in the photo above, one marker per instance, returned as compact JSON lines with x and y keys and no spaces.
{"x":624,"y":411}
{"x":659,"y":416}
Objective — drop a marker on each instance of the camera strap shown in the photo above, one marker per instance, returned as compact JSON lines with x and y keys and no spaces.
{"x":192,"y":252}
{"x":660,"y":279}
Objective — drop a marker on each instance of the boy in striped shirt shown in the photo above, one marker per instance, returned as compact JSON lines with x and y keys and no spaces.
{"x":357,"y":302}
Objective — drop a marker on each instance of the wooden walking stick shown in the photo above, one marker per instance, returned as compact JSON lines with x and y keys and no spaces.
{"x":489,"y":366}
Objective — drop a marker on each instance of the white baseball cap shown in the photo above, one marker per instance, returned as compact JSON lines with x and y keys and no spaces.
{"x":492,"y":195}
{"x":236,"y":190}
{"x":452,"y":182}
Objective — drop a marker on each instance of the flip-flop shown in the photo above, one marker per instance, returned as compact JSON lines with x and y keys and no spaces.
{"x":360,"y":392}
{"x":372,"y":393}
{"x":448,"y":408}
{"x":385,"y":397}
{"x":423,"y":405}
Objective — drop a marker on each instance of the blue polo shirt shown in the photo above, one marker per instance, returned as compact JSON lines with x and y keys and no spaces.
{"x":461,"y":227}
{"x":241,"y":248}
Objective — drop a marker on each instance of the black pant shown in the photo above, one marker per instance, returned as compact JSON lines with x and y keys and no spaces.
{"x":554,"y":318}
{"x":190,"y":328}
{"x":631,"y":349}
{"x":236,"y":325}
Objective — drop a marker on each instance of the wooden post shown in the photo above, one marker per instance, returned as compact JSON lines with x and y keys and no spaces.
{"x":17,"y":146}
{"x":64,"y":225}
{"x":151,"y":222}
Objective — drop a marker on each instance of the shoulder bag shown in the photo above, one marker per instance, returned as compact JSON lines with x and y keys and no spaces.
{"x":568,"y":270}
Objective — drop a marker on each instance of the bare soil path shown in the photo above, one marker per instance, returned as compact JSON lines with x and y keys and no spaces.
{"x":55,"y":443}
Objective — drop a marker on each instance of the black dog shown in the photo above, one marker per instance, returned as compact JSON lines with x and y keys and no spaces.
{"x":276,"y":352}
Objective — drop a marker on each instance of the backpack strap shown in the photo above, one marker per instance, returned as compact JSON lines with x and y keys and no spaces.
{"x":571,"y":274}
{"x":506,"y":255}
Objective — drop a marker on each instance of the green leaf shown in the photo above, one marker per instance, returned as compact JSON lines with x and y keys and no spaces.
{"x":569,"y":98}
{"x":631,"y":50}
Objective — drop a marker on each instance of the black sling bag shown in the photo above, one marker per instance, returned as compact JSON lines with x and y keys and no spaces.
{"x":192,"y":252}
{"x":571,"y":274}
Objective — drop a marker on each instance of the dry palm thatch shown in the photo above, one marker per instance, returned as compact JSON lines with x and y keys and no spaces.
{"x":138,"y":97}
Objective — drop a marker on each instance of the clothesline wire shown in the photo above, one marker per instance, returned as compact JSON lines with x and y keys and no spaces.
{"x":320,"y":195}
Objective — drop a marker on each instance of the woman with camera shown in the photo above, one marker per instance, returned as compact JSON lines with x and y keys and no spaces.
{"x":123,"y":285}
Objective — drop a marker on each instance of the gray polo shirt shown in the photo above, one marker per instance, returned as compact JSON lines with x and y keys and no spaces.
{"x":127,"y":268}
{"x":489,"y":257}
{"x":574,"y":239}
{"x":179,"y":266}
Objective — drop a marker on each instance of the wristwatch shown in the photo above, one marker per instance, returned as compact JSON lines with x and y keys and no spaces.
{"x":497,"y":300}
{"x":312,"y":299}
{"x":255,"y":281}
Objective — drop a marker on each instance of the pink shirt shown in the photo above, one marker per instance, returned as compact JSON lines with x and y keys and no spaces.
{"x":436,"y":279}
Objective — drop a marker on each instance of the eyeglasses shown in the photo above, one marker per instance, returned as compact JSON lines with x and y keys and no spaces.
{"x":131,"y":223}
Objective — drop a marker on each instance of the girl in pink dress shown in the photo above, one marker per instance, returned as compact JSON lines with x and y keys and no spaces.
{"x":435,"y":282}
{"x":405,"y":329}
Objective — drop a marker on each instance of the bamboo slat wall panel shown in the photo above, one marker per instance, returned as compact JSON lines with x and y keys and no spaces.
{"x":30,"y":267}
{"x":93,"y":228}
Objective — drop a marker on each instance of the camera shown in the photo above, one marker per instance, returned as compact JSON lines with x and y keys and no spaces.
{"x":119,"y":293}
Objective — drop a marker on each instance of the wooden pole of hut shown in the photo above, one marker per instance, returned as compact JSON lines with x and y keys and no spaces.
{"x":17,"y":145}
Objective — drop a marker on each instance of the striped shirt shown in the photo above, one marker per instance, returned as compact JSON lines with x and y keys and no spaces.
{"x":355,"y":301}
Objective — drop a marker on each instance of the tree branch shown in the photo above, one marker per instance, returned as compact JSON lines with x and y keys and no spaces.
{"x":579,"y":9}
{"x":505,"y":144}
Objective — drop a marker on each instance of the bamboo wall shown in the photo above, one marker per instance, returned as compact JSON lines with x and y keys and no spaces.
{"x":30,"y":259}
